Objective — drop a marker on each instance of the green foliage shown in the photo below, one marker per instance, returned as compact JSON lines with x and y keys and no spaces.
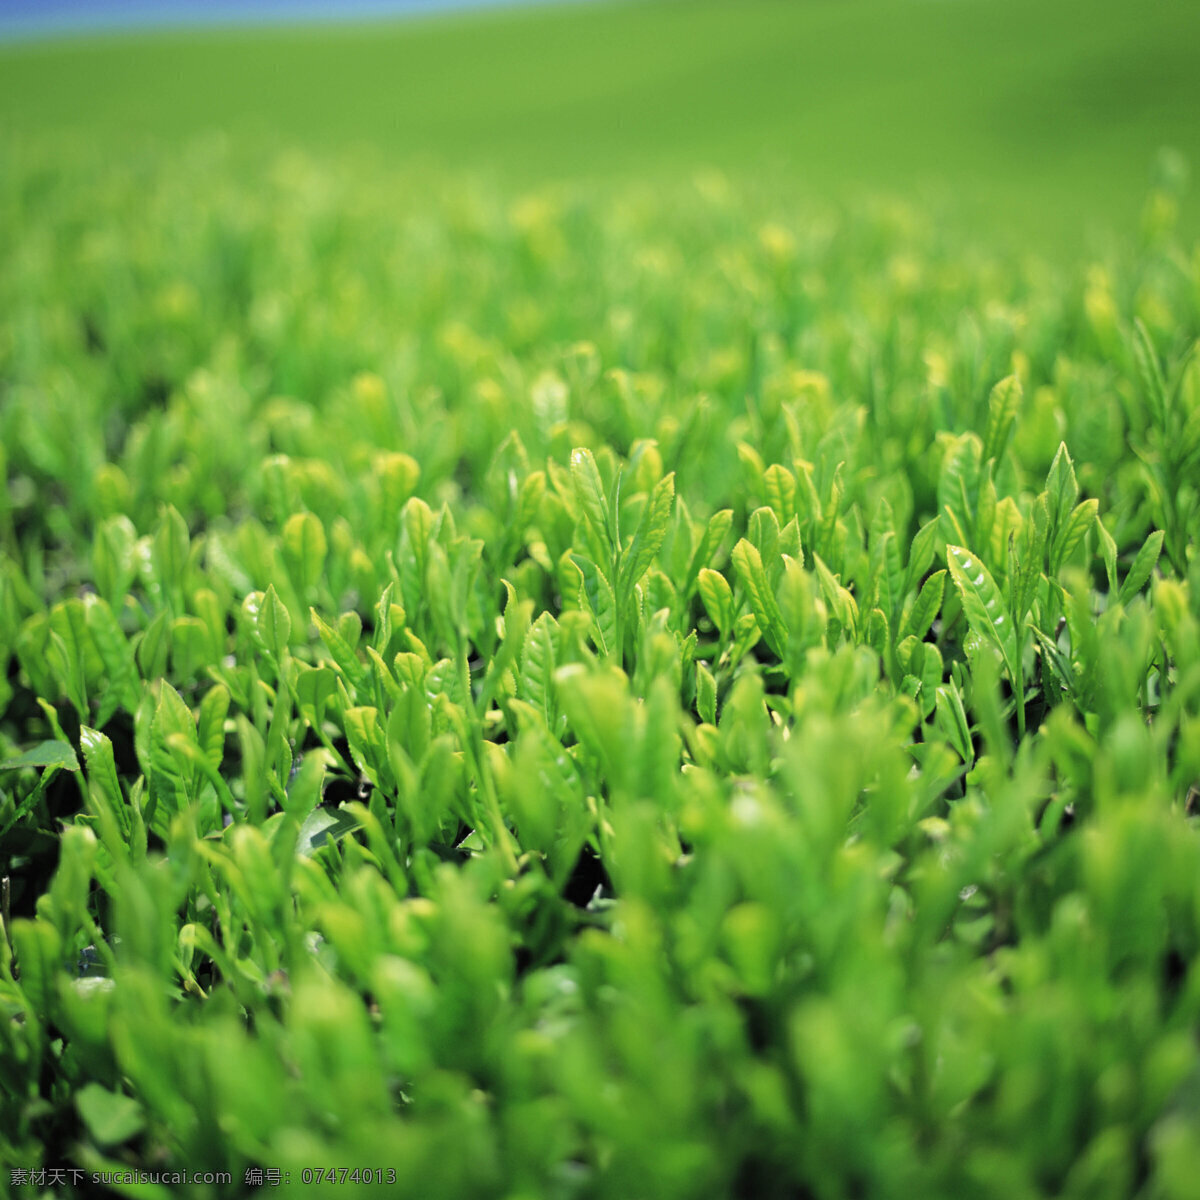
{"x":590,"y":694}
{"x":652,"y":89}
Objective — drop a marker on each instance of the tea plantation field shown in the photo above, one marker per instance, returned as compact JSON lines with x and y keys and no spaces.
{"x":533,"y":682}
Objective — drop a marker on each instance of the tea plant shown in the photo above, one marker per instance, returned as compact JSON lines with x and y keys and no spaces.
{"x":594,"y":695}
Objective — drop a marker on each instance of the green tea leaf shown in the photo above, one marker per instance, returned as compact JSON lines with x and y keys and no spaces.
{"x":889,"y":575}
{"x":368,"y":744}
{"x":589,"y":494}
{"x":798,"y":607}
{"x":1058,"y":663}
{"x":118,"y":658}
{"x":58,"y":755}
{"x":113,"y":564}
{"x":37,"y":947}
{"x":1068,"y":537}
{"x":169,"y":554}
{"x":274,"y":625}
{"x":596,"y":597}
{"x":950,"y":718}
{"x":926,"y":606}
{"x":1003,"y":404}
{"x":717,"y":597}
{"x":305,"y":548}
{"x":748,"y":563}
{"x":921,"y":553}
{"x":538,"y":664}
{"x":648,"y":537}
{"x":413,"y":560}
{"x":1061,"y":488}
{"x":878,"y":632}
{"x":314,"y":687}
{"x":715,"y":533}
{"x":958,"y":488}
{"x":104,"y":789}
{"x":1142,"y":568}
{"x":779,"y":486}
{"x":516,"y":625}
{"x":1029,"y":556}
{"x":843,"y":608}
{"x":68,"y":651}
{"x":306,"y":785}
{"x":341,"y":650}
{"x":922,"y":662}
{"x":762,"y":532}
{"x":410,"y":724}
{"x":172,"y":716}
{"x":322,"y":826}
{"x":210,"y":734}
{"x":984,"y":605}
{"x":1108,"y":551}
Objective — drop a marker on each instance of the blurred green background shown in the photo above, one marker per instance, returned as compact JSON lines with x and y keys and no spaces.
{"x":1037,"y":118}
